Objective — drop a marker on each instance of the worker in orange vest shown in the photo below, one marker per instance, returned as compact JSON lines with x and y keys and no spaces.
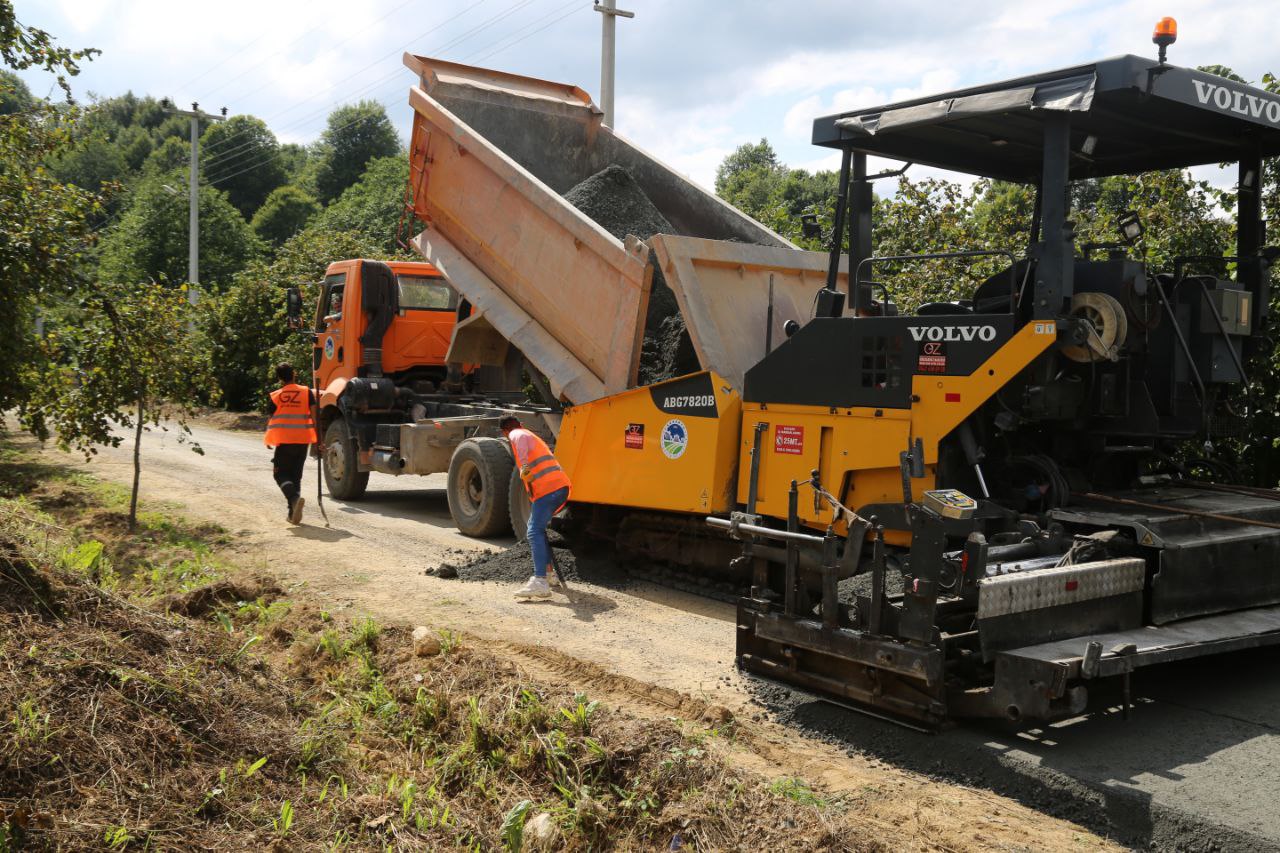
{"x":548,"y":488}
{"x":291,"y":429}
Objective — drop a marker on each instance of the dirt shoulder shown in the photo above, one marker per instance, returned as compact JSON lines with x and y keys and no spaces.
{"x":652,"y":672}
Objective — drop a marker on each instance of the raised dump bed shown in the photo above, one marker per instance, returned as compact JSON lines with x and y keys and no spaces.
{"x":491,"y":157}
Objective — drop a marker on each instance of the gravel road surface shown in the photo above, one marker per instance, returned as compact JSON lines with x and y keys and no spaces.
{"x":1196,"y":767}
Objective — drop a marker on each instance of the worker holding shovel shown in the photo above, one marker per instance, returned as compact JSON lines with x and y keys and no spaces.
{"x":548,"y":488}
{"x":291,"y":429}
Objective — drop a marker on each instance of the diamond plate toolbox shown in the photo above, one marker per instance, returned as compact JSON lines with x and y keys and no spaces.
{"x":1035,"y":590}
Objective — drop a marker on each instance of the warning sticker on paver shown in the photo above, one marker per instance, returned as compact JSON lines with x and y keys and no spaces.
{"x":788,"y":439}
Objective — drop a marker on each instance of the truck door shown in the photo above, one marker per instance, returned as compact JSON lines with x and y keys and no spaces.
{"x":330,"y":354}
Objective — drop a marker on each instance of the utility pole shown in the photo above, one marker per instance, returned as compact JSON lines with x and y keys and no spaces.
{"x":193,"y":238}
{"x":609,"y":9}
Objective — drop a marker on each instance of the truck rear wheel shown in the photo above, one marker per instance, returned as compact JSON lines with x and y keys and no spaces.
{"x":342,"y":472}
{"x":519,"y":507}
{"x":479,"y":479}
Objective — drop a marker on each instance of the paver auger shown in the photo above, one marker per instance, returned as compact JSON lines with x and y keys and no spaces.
{"x":1010,"y":453}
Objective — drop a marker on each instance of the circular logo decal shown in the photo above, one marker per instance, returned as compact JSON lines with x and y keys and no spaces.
{"x":328,"y":347}
{"x":674,"y":439}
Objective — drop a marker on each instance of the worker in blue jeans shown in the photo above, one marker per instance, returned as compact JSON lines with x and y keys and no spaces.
{"x":548,"y":487}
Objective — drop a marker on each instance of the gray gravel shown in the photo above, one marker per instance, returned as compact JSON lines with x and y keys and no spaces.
{"x":615,"y":201}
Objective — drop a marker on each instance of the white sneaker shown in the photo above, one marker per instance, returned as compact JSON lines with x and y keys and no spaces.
{"x":534,"y":588}
{"x":553,"y":579}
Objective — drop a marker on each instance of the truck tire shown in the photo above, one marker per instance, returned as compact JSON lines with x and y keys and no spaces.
{"x":479,"y":479}
{"x":342,"y":472}
{"x":519,"y":507}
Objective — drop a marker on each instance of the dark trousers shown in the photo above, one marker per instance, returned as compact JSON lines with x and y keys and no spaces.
{"x":287,"y":465}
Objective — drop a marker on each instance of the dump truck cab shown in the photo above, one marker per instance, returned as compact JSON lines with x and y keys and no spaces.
{"x":409,"y":305}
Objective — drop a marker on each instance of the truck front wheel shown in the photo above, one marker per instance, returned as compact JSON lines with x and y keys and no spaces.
{"x":479,"y":478}
{"x":519,"y":507}
{"x":342,"y":474}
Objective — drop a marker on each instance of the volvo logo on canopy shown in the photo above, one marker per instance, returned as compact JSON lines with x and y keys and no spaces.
{"x":1236,"y":101}
{"x":953,"y":333}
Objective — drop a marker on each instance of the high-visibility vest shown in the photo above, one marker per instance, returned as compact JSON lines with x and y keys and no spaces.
{"x":292,"y":422}
{"x":545,"y":474}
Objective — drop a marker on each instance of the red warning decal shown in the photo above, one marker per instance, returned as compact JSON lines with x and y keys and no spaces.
{"x":933,"y":357}
{"x":788,"y":439}
{"x":634,"y":437}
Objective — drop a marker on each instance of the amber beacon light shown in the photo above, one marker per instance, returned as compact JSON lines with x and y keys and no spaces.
{"x":1166,"y":33}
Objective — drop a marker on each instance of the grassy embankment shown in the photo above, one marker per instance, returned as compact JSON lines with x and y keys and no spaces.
{"x":154,"y":695}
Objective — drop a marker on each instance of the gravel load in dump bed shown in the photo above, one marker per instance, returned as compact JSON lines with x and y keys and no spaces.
{"x":615,"y":201}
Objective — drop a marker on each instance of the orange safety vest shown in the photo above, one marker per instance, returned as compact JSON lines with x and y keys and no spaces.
{"x":545,"y":474}
{"x":292,"y":422}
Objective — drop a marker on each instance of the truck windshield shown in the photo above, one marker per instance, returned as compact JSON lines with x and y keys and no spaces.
{"x":430,"y":293}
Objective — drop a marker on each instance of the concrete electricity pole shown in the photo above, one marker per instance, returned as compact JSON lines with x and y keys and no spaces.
{"x":610,"y":11}
{"x":193,"y":239}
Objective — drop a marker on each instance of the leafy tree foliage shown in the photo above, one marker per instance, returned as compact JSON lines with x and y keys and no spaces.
{"x":15,"y":97}
{"x":753,"y":180}
{"x":23,"y":47}
{"x":285,"y":212}
{"x":93,"y":162}
{"x":245,"y":327}
{"x":130,"y":361}
{"x":169,"y":155}
{"x":373,"y":204}
{"x":293,"y":159}
{"x":150,"y":242}
{"x":354,"y":135}
{"x":242,"y":157}
{"x":44,"y":222}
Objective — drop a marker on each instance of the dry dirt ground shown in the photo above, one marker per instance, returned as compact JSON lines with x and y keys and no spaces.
{"x":1198,"y":773}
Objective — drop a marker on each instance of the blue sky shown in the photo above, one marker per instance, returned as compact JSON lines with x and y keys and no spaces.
{"x":695,"y":78}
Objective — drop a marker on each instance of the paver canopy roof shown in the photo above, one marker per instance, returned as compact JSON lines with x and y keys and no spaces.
{"x":1128,"y":115}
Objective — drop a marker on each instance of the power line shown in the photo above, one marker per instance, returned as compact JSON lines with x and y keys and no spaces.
{"x":376,"y":62}
{"x":502,"y":45}
{"x":459,"y":39}
{"x":505,"y":47}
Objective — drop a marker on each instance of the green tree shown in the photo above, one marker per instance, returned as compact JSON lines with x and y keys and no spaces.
{"x":24,"y":47}
{"x":372,"y":205}
{"x":285,"y":212}
{"x":241,"y":157}
{"x":94,"y":161}
{"x":245,"y":327}
{"x":150,"y":242}
{"x":293,"y":159}
{"x":354,"y":135}
{"x":749,"y":177}
{"x":130,"y":361}
{"x":169,"y":154}
{"x":44,"y":222}
{"x":15,"y":97}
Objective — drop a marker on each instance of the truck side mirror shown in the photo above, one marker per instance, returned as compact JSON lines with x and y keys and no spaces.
{"x":293,"y":308}
{"x":809,"y":226}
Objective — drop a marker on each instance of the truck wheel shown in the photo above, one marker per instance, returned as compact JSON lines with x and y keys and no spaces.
{"x":479,"y":478}
{"x":519,"y":507}
{"x":342,"y":474}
